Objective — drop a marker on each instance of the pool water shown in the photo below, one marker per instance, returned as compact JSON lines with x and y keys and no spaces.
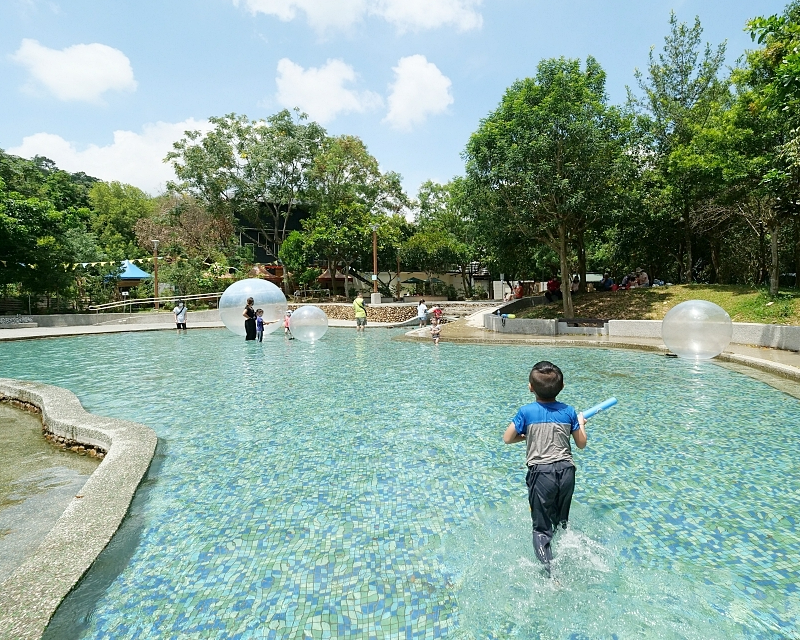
{"x":358,"y":487}
{"x":37,"y":482}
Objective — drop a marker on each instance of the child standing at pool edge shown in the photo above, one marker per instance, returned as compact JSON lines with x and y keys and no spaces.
{"x":546,"y":426}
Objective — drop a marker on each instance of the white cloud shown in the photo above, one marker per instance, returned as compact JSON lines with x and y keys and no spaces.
{"x":80,"y":72}
{"x":430,"y":14}
{"x":321,"y":14}
{"x":419,"y":90}
{"x":320,"y":92}
{"x":404,"y":14}
{"x":133,"y":158}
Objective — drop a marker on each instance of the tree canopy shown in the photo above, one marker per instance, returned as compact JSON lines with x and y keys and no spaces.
{"x":695,"y":178}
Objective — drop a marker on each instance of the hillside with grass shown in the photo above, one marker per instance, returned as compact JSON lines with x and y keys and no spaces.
{"x":743,"y":304}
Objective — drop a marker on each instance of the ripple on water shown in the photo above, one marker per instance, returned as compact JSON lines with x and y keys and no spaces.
{"x":358,"y":486}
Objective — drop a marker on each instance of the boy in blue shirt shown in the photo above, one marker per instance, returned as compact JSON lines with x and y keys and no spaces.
{"x":546,"y":426}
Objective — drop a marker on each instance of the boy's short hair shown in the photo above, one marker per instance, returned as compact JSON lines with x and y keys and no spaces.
{"x":259,"y":311}
{"x":546,"y":380}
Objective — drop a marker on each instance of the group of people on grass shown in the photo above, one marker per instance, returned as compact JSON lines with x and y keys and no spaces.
{"x":553,"y":292}
{"x":637,"y":279}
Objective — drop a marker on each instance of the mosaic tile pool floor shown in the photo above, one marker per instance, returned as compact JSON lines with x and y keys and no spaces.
{"x":359,"y":488}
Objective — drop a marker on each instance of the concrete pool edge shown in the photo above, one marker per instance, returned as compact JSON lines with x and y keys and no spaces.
{"x":31,"y":595}
{"x":758,"y":358}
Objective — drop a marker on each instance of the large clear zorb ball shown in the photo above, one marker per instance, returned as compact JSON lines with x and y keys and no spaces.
{"x":308,"y":323}
{"x":697,"y":329}
{"x":266,"y":296}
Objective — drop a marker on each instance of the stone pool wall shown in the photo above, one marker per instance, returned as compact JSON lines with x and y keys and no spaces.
{"x":30,"y":596}
{"x":382,"y":313}
{"x":395,"y":312}
{"x":760,"y":335}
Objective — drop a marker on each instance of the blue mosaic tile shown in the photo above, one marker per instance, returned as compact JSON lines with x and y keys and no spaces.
{"x":358,"y":488}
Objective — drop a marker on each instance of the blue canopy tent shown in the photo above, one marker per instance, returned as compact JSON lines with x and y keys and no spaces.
{"x":131,"y":272}
{"x":131,"y":275}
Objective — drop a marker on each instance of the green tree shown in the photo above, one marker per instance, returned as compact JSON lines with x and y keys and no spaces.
{"x":447,"y":209}
{"x":116,"y":209}
{"x":34,"y":250}
{"x":769,"y":88}
{"x":342,"y":236}
{"x":679,"y":93}
{"x":254,"y":171}
{"x":550,"y":152}
{"x":349,"y":194}
{"x":393,"y":230}
{"x":432,"y":251}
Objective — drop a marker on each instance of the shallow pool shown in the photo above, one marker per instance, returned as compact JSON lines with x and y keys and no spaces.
{"x":37,"y":482}
{"x":359,"y":488}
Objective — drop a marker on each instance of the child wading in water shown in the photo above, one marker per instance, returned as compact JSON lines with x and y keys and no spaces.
{"x":286,"y":330}
{"x":260,"y":325}
{"x":436,"y":331}
{"x":546,"y":426}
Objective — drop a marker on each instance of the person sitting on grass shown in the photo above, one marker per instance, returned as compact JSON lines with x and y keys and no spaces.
{"x":553,"y":289}
{"x":628,"y":282}
{"x":606,"y":283}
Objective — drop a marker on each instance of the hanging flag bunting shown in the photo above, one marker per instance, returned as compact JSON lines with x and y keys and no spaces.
{"x":75,"y":265}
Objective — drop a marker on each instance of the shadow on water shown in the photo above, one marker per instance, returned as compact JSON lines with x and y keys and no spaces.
{"x":73,"y":616}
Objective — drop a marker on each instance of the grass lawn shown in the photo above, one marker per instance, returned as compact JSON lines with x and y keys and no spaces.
{"x":743,"y":304}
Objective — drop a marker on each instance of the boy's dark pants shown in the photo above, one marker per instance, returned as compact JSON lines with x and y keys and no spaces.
{"x":550,"y":488}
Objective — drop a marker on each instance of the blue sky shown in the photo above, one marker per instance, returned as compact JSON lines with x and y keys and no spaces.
{"x":105,"y":86}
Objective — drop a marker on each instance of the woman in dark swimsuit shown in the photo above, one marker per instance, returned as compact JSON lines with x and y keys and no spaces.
{"x":250,"y":320}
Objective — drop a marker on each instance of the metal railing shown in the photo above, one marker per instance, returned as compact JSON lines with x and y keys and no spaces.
{"x":110,"y":306}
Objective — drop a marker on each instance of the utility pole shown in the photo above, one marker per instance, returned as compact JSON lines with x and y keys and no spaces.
{"x":155,"y":272}
{"x":376,"y":297}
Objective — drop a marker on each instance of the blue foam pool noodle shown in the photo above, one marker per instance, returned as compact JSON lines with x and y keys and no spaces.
{"x":607,"y":404}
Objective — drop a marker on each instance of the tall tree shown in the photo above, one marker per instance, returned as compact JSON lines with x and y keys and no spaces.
{"x":116,"y":209}
{"x":349,"y":193}
{"x":253,"y":171}
{"x":770,"y":87}
{"x":679,"y":92}
{"x":446,"y":209}
{"x":184,"y":227}
{"x":550,"y":152}
{"x":392,"y":232}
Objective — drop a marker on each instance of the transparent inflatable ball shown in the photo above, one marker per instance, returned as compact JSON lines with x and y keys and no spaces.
{"x":308,"y":323}
{"x":697,"y":329}
{"x":266,"y":296}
